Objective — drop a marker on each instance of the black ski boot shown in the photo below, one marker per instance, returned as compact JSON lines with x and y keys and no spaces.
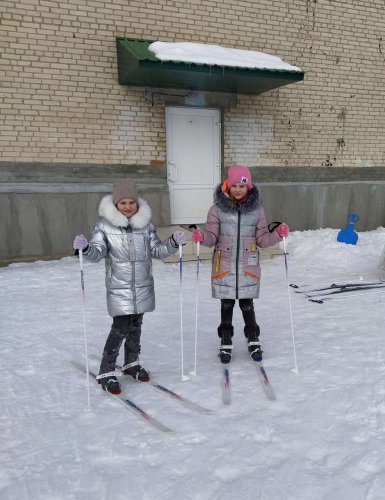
{"x":106,"y":376}
{"x":136,"y":371}
{"x":110,"y":384}
{"x":225,"y":333}
{"x":253,"y":343}
{"x":251,"y":329}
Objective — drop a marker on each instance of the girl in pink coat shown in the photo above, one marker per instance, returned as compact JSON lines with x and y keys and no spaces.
{"x":236,"y":226}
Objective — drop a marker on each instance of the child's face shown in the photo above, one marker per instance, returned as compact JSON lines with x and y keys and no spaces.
{"x":238,"y":191}
{"x":127,"y":207}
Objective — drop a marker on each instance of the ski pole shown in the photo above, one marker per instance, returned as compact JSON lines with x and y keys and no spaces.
{"x":194,"y":372}
{"x":183,"y":376}
{"x":295,"y":369}
{"x":84,"y":326}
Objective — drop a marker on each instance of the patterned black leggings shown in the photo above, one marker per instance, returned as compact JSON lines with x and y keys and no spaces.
{"x":129,"y":329}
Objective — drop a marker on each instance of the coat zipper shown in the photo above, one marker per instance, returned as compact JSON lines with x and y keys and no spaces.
{"x":131,"y":233}
{"x":237,"y":256}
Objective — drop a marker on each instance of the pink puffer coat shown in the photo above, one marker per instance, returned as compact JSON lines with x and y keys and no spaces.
{"x":236,"y":231}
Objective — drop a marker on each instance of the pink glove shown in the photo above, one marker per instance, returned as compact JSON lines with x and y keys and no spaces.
{"x":80,"y":242}
{"x":283,"y":230}
{"x":197,"y":236}
{"x":179,"y":237}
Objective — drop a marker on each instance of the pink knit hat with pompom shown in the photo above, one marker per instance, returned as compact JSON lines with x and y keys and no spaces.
{"x":239,"y":174}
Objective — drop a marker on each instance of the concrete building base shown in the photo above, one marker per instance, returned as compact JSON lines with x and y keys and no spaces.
{"x":42,"y":207}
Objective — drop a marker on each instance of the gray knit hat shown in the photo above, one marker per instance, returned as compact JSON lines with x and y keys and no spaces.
{"x":124,"y":188}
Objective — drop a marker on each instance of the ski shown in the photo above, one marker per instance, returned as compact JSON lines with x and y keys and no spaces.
{"x":320,"y":298}
{"x":226,"y":386}
{"x":262,"y":375}
{"x":343,"y":290}
{"x":187,"y":403}
{"x":129,"y":404}
{"x":267,"y":387}
{"x":301,"y":289}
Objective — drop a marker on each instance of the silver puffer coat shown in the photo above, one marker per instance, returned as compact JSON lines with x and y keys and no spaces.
{"x":237,"y":230}
{"x":127,"y":245}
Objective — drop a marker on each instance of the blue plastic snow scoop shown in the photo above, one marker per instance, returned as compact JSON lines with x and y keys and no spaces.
{"x":348,"y":235}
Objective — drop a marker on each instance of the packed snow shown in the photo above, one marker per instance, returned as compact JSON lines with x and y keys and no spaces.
{"x":323,"y":438}
{"x":216,"y":55}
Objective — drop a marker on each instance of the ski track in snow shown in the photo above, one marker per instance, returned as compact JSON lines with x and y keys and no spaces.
{"x":322,"y":439}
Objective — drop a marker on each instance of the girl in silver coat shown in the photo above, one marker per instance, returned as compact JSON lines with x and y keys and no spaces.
{"x":126,"y":238}
{"x":236,"y":226}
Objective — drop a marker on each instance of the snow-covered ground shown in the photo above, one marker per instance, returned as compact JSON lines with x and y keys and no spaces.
{"x":323,"y":438}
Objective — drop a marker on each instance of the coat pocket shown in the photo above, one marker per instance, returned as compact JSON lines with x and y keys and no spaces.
{"x":251,"y":258}
{"x":222,"y":258}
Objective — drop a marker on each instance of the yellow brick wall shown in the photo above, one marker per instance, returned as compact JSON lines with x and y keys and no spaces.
{"x":60,"y":100}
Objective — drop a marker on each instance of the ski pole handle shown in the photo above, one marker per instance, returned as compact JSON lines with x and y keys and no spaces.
{"x":194,"y":226}
{"x":353,"y":218}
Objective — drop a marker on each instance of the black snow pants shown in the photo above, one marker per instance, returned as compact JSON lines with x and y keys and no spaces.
{"x":248,"y":313}
{"x":129,"y":329}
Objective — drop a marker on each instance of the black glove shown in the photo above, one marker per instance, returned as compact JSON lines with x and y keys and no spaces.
{"x":273,"y":225}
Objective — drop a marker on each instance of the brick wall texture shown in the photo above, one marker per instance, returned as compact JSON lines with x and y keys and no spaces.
{"x":60,"y":100}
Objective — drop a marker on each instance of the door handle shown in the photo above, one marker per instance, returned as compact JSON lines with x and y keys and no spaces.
{"x":172,"y":171}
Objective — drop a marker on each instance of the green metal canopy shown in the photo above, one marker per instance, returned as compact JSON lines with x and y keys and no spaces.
{"x":138,"y":66}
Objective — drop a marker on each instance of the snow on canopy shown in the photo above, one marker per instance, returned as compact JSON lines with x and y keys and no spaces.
{"x":215,"y":55}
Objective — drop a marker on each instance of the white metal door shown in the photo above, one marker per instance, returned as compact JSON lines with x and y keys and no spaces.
{"x":193,"y":161}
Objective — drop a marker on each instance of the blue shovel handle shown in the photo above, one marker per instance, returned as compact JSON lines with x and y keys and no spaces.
{"x":353,"y":218}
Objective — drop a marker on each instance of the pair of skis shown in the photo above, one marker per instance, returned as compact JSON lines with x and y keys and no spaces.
{"x":262,"y":375}
{"x":319,"y":295}
{"x":142,"y":414}
{"x":130,"y":405}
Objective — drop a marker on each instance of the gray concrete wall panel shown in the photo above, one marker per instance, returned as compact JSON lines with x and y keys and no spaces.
{"x":41,"y":223}
{"x":325,"y":205}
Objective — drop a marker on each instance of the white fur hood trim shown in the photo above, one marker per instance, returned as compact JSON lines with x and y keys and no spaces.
{"x":108,"y":210}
